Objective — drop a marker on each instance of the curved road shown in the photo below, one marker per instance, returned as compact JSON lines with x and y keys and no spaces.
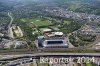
{"x":10,"y":34}
{"x":10,"y":15}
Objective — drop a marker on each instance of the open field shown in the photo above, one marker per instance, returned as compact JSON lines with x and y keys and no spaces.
{"x":37,"y":21}
{"x":74,"y":6}
{"x":88,"y":64}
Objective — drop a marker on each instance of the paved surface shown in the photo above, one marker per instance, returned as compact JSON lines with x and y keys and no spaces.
{"x":10,"y":15}
{"x":34,"y":61}
{"x":9,"y":25}
{"x":48,"y":54}
{"x":69,"y":44}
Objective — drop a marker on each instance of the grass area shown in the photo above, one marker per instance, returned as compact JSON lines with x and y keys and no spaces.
{"x":68,"y":22}
{"x":42,"y":64}
{"x":81,"y":40}
{"x":54,"y":26}
{"x":23,"y":20}
{"x":37,"y":21}
{"x":35,"y":31}
{"x":88,"y":64}
{"x":70,"y":26}
{"x":75,"y":5}
{"x":41,"y":29}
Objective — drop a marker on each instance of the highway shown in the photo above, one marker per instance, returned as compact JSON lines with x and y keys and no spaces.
{"x":46,"y":50}
{"x":15,"y":60}
{"x":38,"y":55}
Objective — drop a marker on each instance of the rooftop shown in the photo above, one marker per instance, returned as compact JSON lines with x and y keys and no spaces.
{"x":55,"y":43}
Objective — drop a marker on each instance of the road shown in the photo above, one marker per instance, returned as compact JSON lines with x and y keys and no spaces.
{"x":67,"y":38}
{"x":10,"y":33}
{"x":10,"y":15}
{"x":26,"y":58}
{"x":69,"y":44}
{"x":93,"y":45}
{"x":34,"y":61}
{"x":87,"y":46}
{"x":36,"y":55}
